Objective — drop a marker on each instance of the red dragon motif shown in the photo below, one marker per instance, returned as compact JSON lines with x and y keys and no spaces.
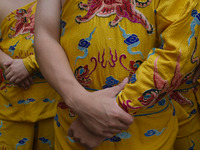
{"x":82,"y":75}
{"x":162,"y":88}
{"x":152,"y":96}
{"x":122,"y":8}
{"x":62,"y":105}
{"x":25,"y":23}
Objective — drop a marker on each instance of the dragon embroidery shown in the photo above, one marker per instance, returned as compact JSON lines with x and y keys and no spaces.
{"x":82,"y":75}
{"x":122,"y":9}
{"x":25,"y":23}
{"x":152,"y":96}
{"x":62,"y":105}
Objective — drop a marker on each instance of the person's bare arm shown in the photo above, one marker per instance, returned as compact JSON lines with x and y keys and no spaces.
{"x":84,"y":136}
{"x":99,"y":111}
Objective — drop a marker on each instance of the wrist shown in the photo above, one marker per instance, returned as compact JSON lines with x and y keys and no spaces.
{"x":4,"y":58}
{"x":75,"y":96}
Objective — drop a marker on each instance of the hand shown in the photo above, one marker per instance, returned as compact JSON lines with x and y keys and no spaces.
{"x":100,"y":113}
{"x":81,"y":135}
{"x":196,"y":74}
{"x":15,"y":71}
{"x":26,"y":83}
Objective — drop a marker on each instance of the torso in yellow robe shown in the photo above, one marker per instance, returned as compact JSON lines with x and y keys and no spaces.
{"x":155,"y":44}
{"x":16,"y":40}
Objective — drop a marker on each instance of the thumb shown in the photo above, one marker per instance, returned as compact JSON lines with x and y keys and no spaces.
{"x":120,"y":86}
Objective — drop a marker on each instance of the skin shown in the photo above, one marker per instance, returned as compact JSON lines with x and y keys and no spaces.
{"x":98,"y":111}
{"x":81,"y":130}
{"x":15,"y":70}
{"x":88,"y":138}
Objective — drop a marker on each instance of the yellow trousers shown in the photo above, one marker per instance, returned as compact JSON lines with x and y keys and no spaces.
{"x":26,"y":135}
{"x":191,"y":142}
{"x":148,"y":132}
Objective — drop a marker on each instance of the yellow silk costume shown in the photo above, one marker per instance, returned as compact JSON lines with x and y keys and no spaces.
{"x":154,"y":43}
{"x":19,"y":107}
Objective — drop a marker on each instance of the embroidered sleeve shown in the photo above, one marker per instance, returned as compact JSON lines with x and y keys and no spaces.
{"x":170,"y":65}
{"x":30,"y":64}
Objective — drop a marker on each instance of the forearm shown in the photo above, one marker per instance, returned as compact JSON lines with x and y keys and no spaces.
{"x":50,"y":56}
{"x":55,"y":68}
{"x":96,"y":108}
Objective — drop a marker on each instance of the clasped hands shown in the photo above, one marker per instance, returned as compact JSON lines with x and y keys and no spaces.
{"x":99,"y":117}
{"x":102,"y":117}
{"x":16,"y":73}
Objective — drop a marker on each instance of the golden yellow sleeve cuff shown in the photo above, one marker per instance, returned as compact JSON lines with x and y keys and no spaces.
{"x":30,"y":64}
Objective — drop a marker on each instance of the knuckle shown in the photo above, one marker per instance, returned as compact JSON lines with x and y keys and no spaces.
{"x":108,"y":135}
{"x":91,"y":146}
{"x":99,"y":131}
{"x":17,"y":82}
{"x":12,"y":68}
{"x":11,"y":80}
{"x":77,"y":140}
{"x":76,"y":136}
{"x":115,"y":113}
{"x":110,"y":125}
{"x":84,"y":143}
{"x":125,"y":127}
{"x":117,"y":131}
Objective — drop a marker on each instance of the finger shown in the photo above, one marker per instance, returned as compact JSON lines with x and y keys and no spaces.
{"x":21,"y":85}
{"x":4,"y":67}
{"x":125,"y":118}
{"x":13,"y":79}
{"x":18,"y":80}
{"x":116,"y":128}
{"x":70,"y":133}
{"x":30,"y":79}
{"x":118,"y":88}
{"x":107,"y":132}
{"x":26,"y":83}
{"x":18,"y":85}
{"x":7,"y":70}
{"x":77,"y":140}
{"x":8,"y":75}
{"x":110,"y":133}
